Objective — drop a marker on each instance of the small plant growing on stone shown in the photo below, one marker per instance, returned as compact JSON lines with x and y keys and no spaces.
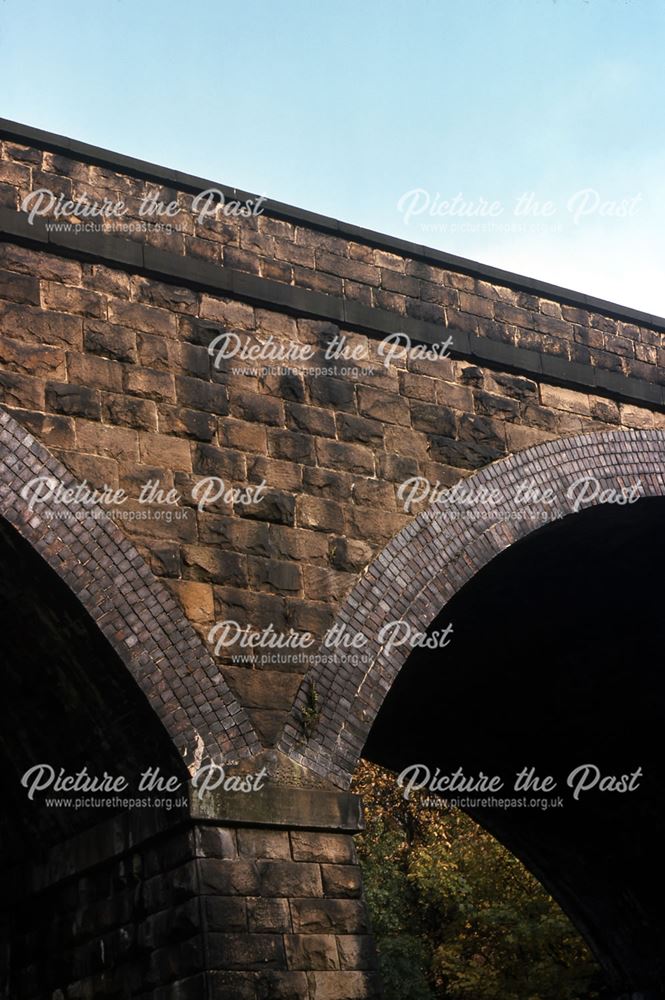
{"x":311,"y":713}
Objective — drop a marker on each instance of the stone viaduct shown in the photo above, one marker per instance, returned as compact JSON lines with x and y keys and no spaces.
{"x":112,"y":377}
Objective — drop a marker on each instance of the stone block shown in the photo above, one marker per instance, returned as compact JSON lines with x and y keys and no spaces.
{"x":65,"y":298}
{"x":309,"y":616}
{"x":345,"y":985}
{"x":347,"y":457}
{"x":171,"y":925}
{"x":252,"y":406}
{"x":310,"y":952}
{"x":249,"y":608}
{"x":245,"y":952}
{"x":333,"y":392}
{"x":420,"y":387}
{"x":228,"y":878}
{"x":433,"y":419}
{"x":274,"y":575}
{"x":230,"y":314}
{"x":106,"y":279}
{"x":279,"y":475}
{"x":396,"y":468}
{"x":128,"y":411}
{"x":73,"y":400}
{"x":248,"y":537}
{"x":332,"y":848}
{"x":201,"y":562}
{"x":298,"y":544}
{"x":492,"y":405}
{"x":291,"y":446}
{"x":157,"y":293}
{"x":310,"y":419}
{"x":269,"y":689}
{"x":53,"y":431}
{"x":196,"y":599}
{"x":150,"y":383}
{"x":22,"y":390}
{"x":565,"y":399}
{"x":388,"y":407}
{"x":515,"y":386}
{"x":200,"y":395}
{"x":350,"y":555}
{"x":224,"y":463}
{"x":323,"y":584}
{"x":32,"y":359}
{"x":268,"y":915}
{"x":136,"y":316}
{"x":165,"y":450}
{"x":225,"y":914}
{"x":20,"y":288}
{"x":289,"y":878}
{"x":402,"y":441}
{"x":164,"y":558}
{"x":319,"y":514}
{"x":341,"y":881}
{"x":281,"y":986}
{"x":91,"y":370}
{"x":289,"y":386}
{"x":359,"y":429}
{"x":216,"y":842}
{"x":328,"y":483}
{"x":265,"y":844}
{"x":242,"y":434}
{"x":119,"y":443}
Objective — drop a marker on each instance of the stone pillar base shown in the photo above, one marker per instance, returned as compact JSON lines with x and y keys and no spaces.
{"x":262,"y":902}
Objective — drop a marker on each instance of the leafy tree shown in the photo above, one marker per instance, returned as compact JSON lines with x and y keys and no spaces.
{"x":456,"y":916}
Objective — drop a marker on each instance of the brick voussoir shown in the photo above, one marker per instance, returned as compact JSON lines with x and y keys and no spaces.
{"x":96,"y":577}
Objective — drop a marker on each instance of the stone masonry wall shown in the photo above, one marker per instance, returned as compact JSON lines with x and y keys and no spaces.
{"x":234,"y":913}
{"x":111,"y":371}
{"x":298,"y":255}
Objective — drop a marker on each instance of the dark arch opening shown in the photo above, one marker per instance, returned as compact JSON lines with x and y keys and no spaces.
{"x":555,"y":661}
{"x":67,"y":701}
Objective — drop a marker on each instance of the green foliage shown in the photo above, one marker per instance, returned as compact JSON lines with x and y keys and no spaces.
{"x":311,"y":713}
{"x":455,"y":915}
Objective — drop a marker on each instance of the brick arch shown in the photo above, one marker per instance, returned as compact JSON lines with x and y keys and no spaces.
{"x":138,"y":615}
{"x":427,"y":562}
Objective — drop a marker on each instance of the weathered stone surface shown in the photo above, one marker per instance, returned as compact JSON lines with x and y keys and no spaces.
{"x":73,"y":400}
{"x":341,"y":881}
{"x":346,"y":986}
{"x":281,"y":986}
{"x":269,"y":915}
{"x":333,"y":848}
{"x":228,"y":877}
{"x":322,"y":515}
{"x":245,"y":951}
{"x":325,"y":916}
{"x":226,"y":914}
{"x":311,"y":951}
{"x":289,"y":878}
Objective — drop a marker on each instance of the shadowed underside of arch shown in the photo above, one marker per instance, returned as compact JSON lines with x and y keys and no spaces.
{"x":138,"y":615}
{"x":428,"y":562}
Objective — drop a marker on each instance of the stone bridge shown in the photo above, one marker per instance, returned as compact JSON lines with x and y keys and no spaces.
{"x":266,"y":488}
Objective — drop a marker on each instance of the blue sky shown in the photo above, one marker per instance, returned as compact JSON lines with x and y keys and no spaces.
{"x":353,"y":108}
